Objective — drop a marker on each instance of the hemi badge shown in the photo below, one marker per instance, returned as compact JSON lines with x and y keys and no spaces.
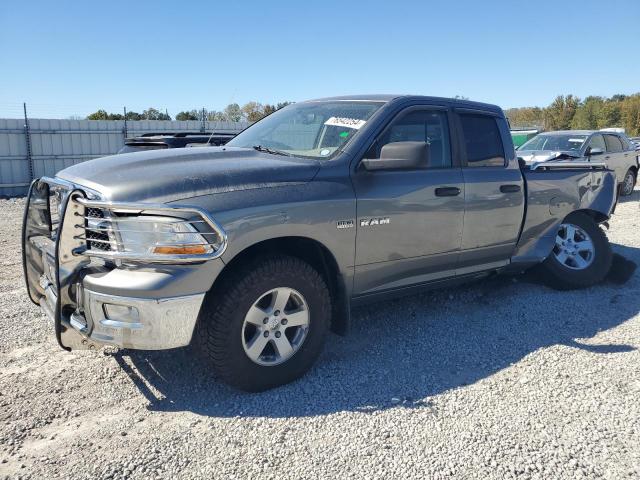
{"x":341,"y":224}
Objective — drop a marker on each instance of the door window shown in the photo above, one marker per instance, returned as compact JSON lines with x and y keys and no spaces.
{"x":420,"y":126}
{"x":482,"y":140}
{"x":597,"y":141}
{"x":613,"y":143}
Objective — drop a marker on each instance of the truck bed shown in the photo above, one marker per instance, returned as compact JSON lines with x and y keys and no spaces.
{"x":553,"y":191}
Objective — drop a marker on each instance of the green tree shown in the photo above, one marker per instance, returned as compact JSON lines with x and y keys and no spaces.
{"x":630,"y":110}
{"x":134,"y":116}
{"x":215,"y":116}
{"x":588,"y":114}
{"x":525,"y":117}
{"x":103,"y":115}
{"x":154,"y":114}
{"x":611,"y":114}
{"x":253,"y":111}
{"x":98,"y":115}
{"x":188,"y":115}
{"x":269,"y":109}
{"x":559,"y":114}
{"x":233,"y":113}
{"x":619,"y":97}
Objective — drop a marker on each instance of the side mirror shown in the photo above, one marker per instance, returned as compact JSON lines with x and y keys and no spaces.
{"x":400,"y":156}
{"x":594,"y":151}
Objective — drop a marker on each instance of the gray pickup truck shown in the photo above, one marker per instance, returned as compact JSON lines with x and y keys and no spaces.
{"x":255,"y":250}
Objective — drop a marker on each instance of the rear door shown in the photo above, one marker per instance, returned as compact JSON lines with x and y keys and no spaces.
{"x":615,"y":156}
{"x":409,"y":222}
{"x":494,"y":191}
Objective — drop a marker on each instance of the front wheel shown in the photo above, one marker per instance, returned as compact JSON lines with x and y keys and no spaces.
{"x":629,"y":183}
{"x":267,"y":323}
{"x":581,"y":256}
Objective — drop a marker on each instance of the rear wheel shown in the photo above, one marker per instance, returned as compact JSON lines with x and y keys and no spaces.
{"x":581,"y":256}
{"x":629,"y":183}
{"x":266,"y":324}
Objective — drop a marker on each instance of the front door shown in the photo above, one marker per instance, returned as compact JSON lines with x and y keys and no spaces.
{"x":409,"y":222}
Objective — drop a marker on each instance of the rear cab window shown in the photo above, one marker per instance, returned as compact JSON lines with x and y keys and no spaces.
{"x":482,"y":140}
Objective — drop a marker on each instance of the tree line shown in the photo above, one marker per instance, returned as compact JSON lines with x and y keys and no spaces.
{"x":249,"y":112}
{"x":568,"y":112}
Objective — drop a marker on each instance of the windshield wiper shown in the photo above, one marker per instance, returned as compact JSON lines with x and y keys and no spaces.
{"x":260,"y":148}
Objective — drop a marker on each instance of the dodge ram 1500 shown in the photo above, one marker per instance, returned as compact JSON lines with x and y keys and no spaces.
{"x":256,"y":249}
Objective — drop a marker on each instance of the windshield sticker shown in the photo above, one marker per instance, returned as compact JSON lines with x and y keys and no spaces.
{"x":344,"y":134}
{"x":577,"y":140}
{"x":345,"y":122}
{"x":324,"y":152}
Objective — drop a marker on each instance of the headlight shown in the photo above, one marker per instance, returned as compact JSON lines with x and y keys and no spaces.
{"x":148,"y":233}
{"x":144,"y":235}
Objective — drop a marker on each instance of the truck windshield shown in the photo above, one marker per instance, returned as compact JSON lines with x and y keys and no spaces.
{"x":310,"y":129}
{"x":565,"y":143}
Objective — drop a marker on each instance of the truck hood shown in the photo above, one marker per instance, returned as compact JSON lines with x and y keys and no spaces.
{"x":533,"y":156}
{"x":160,"y":176}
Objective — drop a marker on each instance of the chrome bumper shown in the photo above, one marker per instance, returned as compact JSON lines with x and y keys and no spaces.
{"x":141,"y":323}
{"x":127,"y":322}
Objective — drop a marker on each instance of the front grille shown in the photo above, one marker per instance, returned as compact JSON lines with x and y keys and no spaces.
{"x":96,"y":236}
{"x":94,"y":212}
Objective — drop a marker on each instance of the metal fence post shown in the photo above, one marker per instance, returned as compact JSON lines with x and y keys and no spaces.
{"x":202,"y":125}
{"x":27,"y":136}
{"x":124,"y":130}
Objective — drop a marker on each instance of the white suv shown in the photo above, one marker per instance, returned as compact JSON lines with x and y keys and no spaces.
{"x":612,"y":147}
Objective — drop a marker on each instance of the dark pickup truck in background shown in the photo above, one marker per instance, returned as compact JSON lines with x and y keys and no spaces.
{"x":162,"y":140}
{"x":254,"y":250}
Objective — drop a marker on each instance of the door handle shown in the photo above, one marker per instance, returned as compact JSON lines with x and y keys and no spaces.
{"x":447,"y":191}
{"x":509,"y":188}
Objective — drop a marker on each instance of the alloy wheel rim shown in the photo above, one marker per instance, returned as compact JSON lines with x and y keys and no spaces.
{"x":276,"y":326}
{"x":629,"y":183}
{"x":574,"y":248}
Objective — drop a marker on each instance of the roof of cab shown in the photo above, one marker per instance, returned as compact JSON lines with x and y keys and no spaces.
{"x":390,"y":97}
{"x":571,"y":132}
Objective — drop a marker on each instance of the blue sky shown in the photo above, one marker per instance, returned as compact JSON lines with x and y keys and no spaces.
{"x":65,"y":58}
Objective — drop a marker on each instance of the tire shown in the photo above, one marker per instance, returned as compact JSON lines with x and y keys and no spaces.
{"x":231,"y":321}
{"x":577,"y":269}
{"x":628,"y":183}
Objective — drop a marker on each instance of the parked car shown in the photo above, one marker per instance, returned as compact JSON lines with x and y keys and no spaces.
{"x":254,"y":250}
{"x":161,"y":140}
{"x":612,"y":147}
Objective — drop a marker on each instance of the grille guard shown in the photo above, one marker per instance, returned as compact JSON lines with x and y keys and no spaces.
{"x":50,"y":268}
{"x":55,"y":261}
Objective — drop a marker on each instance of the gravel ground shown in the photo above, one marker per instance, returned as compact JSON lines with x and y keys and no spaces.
{"x":502,"y":379}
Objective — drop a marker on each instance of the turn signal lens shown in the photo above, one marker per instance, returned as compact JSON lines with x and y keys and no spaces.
{"x":182,"y":250}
